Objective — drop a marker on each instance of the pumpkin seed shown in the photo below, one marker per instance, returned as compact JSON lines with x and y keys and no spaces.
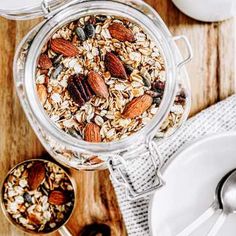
{"x":27,"y":197}
{"x":80,"y":33}
{"x":89,"y":30}
{"x":157,"y":101}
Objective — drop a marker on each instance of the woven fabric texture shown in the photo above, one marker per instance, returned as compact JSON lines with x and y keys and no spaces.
{"x":220,"y":117}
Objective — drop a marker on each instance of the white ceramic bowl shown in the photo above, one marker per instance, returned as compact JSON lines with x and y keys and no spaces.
{"x":207,"y":10}
{"x":191,"y":179}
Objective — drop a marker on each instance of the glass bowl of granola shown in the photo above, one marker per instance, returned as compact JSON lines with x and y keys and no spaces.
{"x":99,"y":78}
{"x":38,"y":196}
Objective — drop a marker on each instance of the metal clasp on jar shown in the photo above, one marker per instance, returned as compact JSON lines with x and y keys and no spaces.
{"x":118,"y":165}
{"x":45,"y":7}
{"x":189,"y":50}
{"x":49,"y":11}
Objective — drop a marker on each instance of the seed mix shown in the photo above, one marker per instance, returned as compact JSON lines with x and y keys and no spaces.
{"x":38,"y":196}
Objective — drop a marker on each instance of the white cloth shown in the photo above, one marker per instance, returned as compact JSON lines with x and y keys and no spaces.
{"x":220,"y":117}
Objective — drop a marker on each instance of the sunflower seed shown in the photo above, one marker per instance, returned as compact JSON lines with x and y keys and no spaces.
{"x":101,"y":18}
{"x":129,"y":69}
{"x":57,"y":71}
{"x":146,"y":82}
{"x":57,"y":60}
{"x":74,"y":133}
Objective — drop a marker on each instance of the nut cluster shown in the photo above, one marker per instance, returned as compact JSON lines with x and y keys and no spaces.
{"x":101,"y":78}
{"x":38,"y":195}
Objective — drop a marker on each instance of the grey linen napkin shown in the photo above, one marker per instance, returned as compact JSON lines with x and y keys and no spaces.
{"x":220,"y":117}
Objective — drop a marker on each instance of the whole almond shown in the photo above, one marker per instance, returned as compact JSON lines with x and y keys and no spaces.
{"x":120,"y":32}
{"x":92,"y":133}
{"x":97,"y":84}
{"x":36,"y":175}
{"x":137,"y":106}
{"x":42,"y":93}
{"x":33,"y":219}
{"x":57,"y":197}
{"x":115,"y":66}
{"x":44,"y":62}
{"x":64,"y":47}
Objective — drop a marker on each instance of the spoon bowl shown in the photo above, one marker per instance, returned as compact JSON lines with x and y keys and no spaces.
{"x":228,"y":194}
{"x":222,"y":189}
{"x":228,"y":200}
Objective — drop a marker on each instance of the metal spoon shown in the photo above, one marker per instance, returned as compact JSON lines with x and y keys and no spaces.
{"x":228,"y":199}
{"x":216,"y":205}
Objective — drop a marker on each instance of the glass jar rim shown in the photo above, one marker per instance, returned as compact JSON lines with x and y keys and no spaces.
{"x":25,"y":10}
{"x":159,"y":33}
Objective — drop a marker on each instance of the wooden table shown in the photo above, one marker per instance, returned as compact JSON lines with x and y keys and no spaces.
{"x":212,"y":74}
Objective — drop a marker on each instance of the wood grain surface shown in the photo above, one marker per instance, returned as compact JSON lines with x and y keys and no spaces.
{"x":212,"y":74}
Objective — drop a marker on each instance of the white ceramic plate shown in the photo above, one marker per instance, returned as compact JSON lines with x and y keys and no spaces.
{"x":209,"y":11}
{"x":191,"y":178}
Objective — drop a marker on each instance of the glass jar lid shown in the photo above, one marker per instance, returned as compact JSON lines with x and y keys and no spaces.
{"x":28,"y":9}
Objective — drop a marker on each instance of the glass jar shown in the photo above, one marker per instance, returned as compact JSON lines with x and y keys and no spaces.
{"x":65,"y":148}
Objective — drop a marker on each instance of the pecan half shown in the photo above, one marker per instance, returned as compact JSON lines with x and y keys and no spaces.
{"x":87,"y":88}
{"x":79,"y":89}
{"x":80,"y":86}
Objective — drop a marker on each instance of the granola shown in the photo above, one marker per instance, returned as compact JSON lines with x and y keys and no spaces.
{"x":92,"y":69}
{"x":38,"y":196}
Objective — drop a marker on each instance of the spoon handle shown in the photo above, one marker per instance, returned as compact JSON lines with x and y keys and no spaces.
{"x":199,"y":221}
{"x":63,"y":231}
{"x":218,"y":224}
